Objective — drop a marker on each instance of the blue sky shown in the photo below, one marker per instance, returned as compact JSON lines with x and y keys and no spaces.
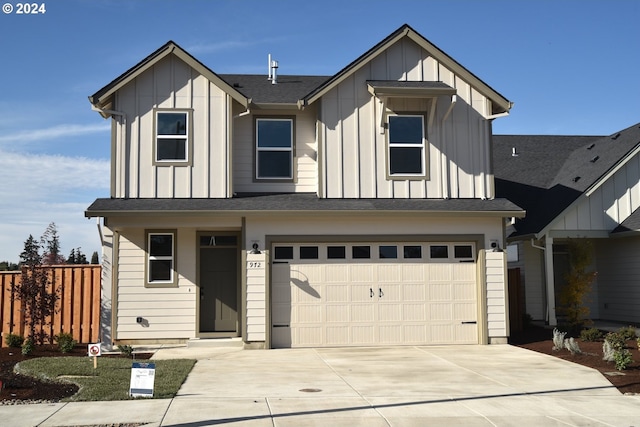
{"x":570,"y":67}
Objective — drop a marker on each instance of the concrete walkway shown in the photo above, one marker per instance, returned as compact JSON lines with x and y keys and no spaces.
{"x":496,"y":385}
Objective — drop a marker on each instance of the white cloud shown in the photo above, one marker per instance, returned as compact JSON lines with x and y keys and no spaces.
{"x":53,"y":132}
{"x":39,"y":189}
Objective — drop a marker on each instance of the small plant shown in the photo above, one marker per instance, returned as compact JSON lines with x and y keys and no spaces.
{"x":127,"y":350}
{"x":27,"y":346}
{"x":572,"y":345}
{"x":65,"y":341}
{"x":558,"y":339}
{"x":628,"y":333}
{"x":591,"y":335}
{"x":608,"y":352}
{"x":14,"y":340}
{"x":616,"y":339}
{"x":623,"y":359}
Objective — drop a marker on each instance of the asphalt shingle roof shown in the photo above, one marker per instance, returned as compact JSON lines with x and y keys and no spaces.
{"x":298,"y":202}
{"x":550,"y":172}
{"x":287,"y":90}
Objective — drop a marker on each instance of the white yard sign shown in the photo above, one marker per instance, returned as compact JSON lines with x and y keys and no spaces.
{"x":142,"y":379}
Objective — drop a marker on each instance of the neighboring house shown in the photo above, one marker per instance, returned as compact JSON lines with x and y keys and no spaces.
{"x":574,"y":187}
{"x":353,"y":209}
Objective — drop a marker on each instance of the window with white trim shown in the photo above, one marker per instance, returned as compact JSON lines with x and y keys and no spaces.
{"x":274,"y":148}
{"x":406,"y":145}
{"x":172,"y":136}
{"x":160,"y":257}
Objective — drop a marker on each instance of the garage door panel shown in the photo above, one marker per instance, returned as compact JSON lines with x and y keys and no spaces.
{"x":365,"y":302}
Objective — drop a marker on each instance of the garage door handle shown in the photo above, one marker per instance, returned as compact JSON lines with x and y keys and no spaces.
{"x":470,"y":323}
{"x":370,"y":292}
{"x":380,"y":293}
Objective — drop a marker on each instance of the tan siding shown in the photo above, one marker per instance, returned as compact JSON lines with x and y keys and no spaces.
{"x":534,"y":281}
{"x":169,"y":312}
{"x":496,"y":294}
{"x":305,"y":163}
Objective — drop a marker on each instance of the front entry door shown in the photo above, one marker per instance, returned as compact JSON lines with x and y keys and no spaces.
{"x":218,"y":289}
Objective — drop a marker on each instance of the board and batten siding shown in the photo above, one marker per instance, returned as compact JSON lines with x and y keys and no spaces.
{"x":354,"y":151}
{"x":169,"y":312}
{"x":305,"y":168}
{"x":618,"y":277}
{"x":609,"y":205}
{"x":172,"y":84}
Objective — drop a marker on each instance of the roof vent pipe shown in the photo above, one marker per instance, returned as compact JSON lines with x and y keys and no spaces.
{"x":514,"y":153}
{"x":274,"y":68}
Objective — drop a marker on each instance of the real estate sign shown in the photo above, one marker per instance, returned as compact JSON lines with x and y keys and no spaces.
{"x":142,"y":379}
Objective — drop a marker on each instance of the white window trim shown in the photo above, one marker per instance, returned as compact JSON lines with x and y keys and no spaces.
{"x":287,"y":149}
{"x":172,"y":258}
{"x":423,"y":146}
{"x":186,"y":137}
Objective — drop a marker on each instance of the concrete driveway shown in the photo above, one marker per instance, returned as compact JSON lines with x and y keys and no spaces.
{"x":496,"y":385}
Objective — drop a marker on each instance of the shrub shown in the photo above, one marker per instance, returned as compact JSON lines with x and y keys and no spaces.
{"x":127,"y":350}
{"x":558,"y":339}
{"x":27,"y":346}
{"x":65,"y":342}
{"x":591,"y":335}
{"x":623,"y":359}
{"x":628,"y":333}
{"x":14,"y":340}
{"x":572,"y":345}
{"x":616,"y":339}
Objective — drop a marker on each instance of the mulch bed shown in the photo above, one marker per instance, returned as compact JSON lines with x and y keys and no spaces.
{"x":19,"y":389}
{"x":541,"y":340}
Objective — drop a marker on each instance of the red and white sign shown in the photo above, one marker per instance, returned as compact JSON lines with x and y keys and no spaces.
{"x":95,"y":349}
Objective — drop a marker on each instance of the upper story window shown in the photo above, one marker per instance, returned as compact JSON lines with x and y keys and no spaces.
{"x":406,"y":145}
{"x":274,"y":148}
{"x":172,"y":136}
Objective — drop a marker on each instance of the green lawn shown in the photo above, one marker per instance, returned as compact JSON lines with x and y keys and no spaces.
{"x":111,"y":379}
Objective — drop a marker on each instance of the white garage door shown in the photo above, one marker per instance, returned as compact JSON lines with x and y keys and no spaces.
{"x":373,"y":294}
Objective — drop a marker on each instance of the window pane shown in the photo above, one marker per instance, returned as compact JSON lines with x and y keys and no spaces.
{"x":284,"y":252}
{"x":439,"y":251}
{"x":405,"y":160}
{"x":361,"y":252}
{"x":336,"y":252}
{"x":160,"y":245}
{"x":210,"y":240}
{"x":171,"y":149}
{"x":274,"y":133}
{"x":388,"y":252}
{"x":462,"y":251}
{"x":160,"y":270}
{"x":172,"y":123}
{"x":412,"y":252}
{"x":405,"y":130}
{"x":274,"y":164}
{"x":308,"y":252}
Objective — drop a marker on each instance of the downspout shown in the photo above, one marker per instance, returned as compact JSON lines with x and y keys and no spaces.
{"x":100,"y":231}
{"x":114,"y":152}
{"x":445,"y":165}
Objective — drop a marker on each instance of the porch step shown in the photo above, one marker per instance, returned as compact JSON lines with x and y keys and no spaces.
{"x":214,"y":342}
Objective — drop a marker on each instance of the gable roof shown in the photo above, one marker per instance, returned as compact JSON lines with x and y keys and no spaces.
{"x":549,"y":173}
{"x":499,"y":102}
{"x":103,"y":99}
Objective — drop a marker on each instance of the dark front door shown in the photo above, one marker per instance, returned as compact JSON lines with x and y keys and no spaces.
{"x":218,"y":289}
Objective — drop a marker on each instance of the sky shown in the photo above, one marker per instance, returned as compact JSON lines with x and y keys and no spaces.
{"x":570,"y":67}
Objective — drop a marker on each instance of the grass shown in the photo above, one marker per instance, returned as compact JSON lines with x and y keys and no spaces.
{"x":111,"y":379}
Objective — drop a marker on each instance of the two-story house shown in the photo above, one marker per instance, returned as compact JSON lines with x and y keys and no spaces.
{"x":349,"y":210}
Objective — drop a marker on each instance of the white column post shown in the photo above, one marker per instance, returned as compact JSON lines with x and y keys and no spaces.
{"x":548,"y":266}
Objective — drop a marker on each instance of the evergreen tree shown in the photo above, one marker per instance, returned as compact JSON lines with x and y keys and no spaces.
{"x":72,"y":257}
{"x":94,"y":258}
{"x":51,"y":246}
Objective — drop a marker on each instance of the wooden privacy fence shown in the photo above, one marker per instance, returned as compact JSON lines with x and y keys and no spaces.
{"x":78,"y":306}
